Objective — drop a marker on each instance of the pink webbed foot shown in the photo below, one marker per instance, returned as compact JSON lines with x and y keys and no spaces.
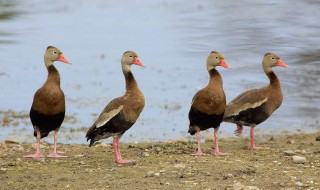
{"x":258,"y":148}
{"x":56,"y":155}
{"x":220,"y":153}
{"x":36,"y":155}
{"x":238,"y":131}
{"x":125,"y":161}
{"x":198,"y":153}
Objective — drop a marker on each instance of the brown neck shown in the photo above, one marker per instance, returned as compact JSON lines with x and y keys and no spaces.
{"x":53,"y":74}
{"x":215,"y":77}
{"x":131,"y":83}
{"x":271,"y":75}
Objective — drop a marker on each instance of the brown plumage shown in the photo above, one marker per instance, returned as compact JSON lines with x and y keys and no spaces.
{"x":255,"y":106}
{"x":48,"y":107}
{"x":121,"y":113}
{"x":208,"y":104}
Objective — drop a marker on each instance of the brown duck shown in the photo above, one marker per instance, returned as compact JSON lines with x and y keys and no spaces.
{"x":48,"y":107}
{"x":208,"y":105}
{"x":255,"y":106}
{"x":121,"y":113}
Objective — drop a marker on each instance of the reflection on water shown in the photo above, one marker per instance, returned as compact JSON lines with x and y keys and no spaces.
{"x":8,"y":11}
{"x":173,"y":40}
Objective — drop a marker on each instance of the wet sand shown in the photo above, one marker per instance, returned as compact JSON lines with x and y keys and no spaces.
{"x":167,"y":165}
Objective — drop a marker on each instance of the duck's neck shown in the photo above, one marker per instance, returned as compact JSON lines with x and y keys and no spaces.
{"x":53,"y":74}
{"x":131,"y":83}
{"x":271,"y":75}
{"x":215,"y":77}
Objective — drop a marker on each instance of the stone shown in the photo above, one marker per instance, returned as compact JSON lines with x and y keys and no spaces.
{"x":145,"y":154}
{"x":299,"y":159}
{"x":240,"y":186}
{"x":180,"y":166}
{"x":150,"y":174}
{"x":289,"y":153}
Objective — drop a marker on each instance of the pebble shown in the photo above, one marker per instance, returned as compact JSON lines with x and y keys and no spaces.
{"x":240,"y":186}
{"x":299,"y":159}
{"x":290,"y":141}
{"x":158,"y":150}
{"x":181,"y":166}
{"x":299,"y":184}
{"x":81,"y":162}
{"x":289,"y":153}
{"x":145,"y":154}
{"x":11,"y":141}
{"x":150,"y":174}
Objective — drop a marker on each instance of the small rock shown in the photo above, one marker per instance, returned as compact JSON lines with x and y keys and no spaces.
{"x":299,"y":159}
{"x":281,"y":184}
{"x":158,"y":150}
{"x":150,"y":174}
{"x":299,"y":184}
{"x":144,"y":154}
{"x":289,"y":153}
{"x":239,"y":186}
{"x":4,"y":169}
{"x":81,"y":162}
{"x":181,"y":166}
{"x":290,"y":141}
{"x":11,"y":141}
{"x":18,"y":159}
{"x":157,"y":174}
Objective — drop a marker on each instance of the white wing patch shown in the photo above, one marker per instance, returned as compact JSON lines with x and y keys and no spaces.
{"x":248,"y":106}
{"x":105,"y":117}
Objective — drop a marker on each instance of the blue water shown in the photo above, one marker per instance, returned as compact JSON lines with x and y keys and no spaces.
{"x":173,"y":39}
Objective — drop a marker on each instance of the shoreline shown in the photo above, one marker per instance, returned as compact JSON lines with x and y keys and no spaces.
{"x":167,"y":165}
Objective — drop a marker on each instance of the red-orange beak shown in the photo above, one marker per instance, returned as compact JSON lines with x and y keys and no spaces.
{"x":224,"y":64}
{"x":281,"y":64}
{"x":137,"y":62}
{"x":63,"y":59}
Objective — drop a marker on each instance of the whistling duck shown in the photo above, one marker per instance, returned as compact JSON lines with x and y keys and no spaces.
{"x":121,"y":113}
{"x":208,"y":105}
{"x":48,"y":107}
{"x":255,"y":106}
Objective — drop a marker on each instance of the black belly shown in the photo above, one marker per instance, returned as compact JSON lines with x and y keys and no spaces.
{"x":46,"y":123}
{"x":251,"y":116}
{"x":203,"y":121}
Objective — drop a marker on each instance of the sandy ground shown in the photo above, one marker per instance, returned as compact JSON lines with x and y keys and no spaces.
{"x":167,"y":165}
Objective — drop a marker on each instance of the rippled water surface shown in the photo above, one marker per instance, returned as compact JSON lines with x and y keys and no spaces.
{"x":173,"y":39}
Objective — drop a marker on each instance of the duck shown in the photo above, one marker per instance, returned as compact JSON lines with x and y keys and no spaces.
{"x":208,"y":104}
{"x":121,"y":113}
{"x":256,"y":105}
{"x":48,"y":107}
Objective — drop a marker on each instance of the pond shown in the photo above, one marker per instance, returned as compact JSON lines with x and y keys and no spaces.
{"x":173,"y":40}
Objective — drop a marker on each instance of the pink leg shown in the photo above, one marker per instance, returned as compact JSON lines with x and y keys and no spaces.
{"x":239,"y":130}
{"x":252,"y":143}
{"x":116,"y":148}
{"x":199,"y":152}
{"x":54,"y":154}
{"x":216,"y":145}
{"x":38,"y":153}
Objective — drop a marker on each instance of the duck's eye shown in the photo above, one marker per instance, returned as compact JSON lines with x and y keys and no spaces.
{"x":273,"y":58}
{"x":55,"y":52}
{"x":216,"y":57}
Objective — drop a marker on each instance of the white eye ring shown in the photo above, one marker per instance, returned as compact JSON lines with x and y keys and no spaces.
{"x":273,"y":58}
{"x":216,"y":57}
{"x":54,"y":52}
{"x":130,"y":55}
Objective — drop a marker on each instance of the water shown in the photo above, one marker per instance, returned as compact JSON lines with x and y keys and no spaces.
{"x":173,"y":40}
